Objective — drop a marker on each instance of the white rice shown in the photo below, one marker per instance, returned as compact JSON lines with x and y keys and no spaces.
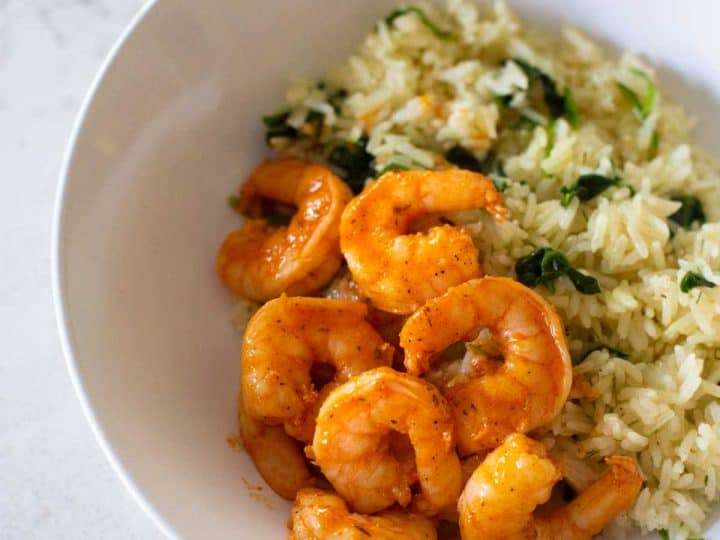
{"x":416,"y":96}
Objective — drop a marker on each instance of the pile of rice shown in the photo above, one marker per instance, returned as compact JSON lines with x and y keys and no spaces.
{"x":416,"y":95}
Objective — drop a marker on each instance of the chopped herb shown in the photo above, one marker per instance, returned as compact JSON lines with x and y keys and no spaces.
{"x":571,"y":108}
{"x":500,"y":178}
{"x":503,"y":101}
{"x":525,"y":123}
{"x":665,"y":535}
{"x":500,"y":182}
{"x":690,"y":211}
{"x":635,"y":103}
{"x":461,"y":157}
{"x":336,"y":100}
{"x":316,"y":119}
{"x":355,"y":161}
{"x":642,"y":108}
{"x":550,"y":141}
{"x":391,"y":167}
{"x":464,"y":159}
{"x":586,"y":187}
{"x":274,"y":121}
{"x":364,"y":531}
{"x":650,"y":93}
{"x":437,"y":32}
{"x":544,"y":265}
{"x":692,"y":280}
{"x":654,"y":144}
{"x":556,"y":103}
{"x":276,"y":125}
{"x":233,"y":201}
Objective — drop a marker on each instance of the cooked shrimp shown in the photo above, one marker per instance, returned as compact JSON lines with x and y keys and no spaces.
{"x":591,"y":511}
{"x":400,"y":271}
{"x":468,"y":466}
{"x":319,"y":515}
{"x":277,"y":457}
{"x":354,"y":443}
{"x":387,"y":324}
{"x":260,"y":263}
{"x":524,"y":388}
{"x":286,"y":338}
{"x":499,"y":499}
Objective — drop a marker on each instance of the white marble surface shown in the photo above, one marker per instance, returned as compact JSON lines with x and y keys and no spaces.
{"x":54,"y":480}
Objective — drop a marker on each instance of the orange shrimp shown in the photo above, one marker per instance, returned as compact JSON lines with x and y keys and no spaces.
{"x":277,"y":456}
{"x":286,"y":338}
{"x":400,"y":271}
{"x":499,"y":500}
{"x":355,"y":448}
{"x":318,"y":515}
{"x":520,"y":385}
{"x":260,"y":263}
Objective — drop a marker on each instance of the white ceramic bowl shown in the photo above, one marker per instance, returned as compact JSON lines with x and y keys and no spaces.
{"x":170,"y":127}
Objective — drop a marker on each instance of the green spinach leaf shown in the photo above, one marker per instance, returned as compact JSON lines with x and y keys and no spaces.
{"x":336,"y":100}
{"x":355,"y":161}
{"x":692,"y":280}
{"x":690,"y":211}
{"x":233,"y":202}
{"x":556,"y":102}
{"x":464,"y":159}
{"x":544,"y":265}
{"x":276,"y":126}
{"x":586,"y":187}
{"x":571,"y":108}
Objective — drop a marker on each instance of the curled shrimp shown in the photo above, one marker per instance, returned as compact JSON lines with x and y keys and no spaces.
{"x":319,"y":515}
{"x":518,"y":387}
{"x":289,"y":336}
{"x":277,"y":456}
{"x":400,"y":271}
{"x":499,"y":499}
{"x":356,"y":443}
{"x":260,"y":263}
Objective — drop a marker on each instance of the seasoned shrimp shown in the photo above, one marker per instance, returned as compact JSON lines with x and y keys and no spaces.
{"x":277,"y":457}
{"x":356,"y":447}
{"x":591,"y":511}
{"x":286,"y":338}
{"x":387,"y":324}
{"x":400,"y":271}
{"x":319,"y":515}
{"x":499,"y":499}
{"x":524,"y":388}
{"x":260,"y":263}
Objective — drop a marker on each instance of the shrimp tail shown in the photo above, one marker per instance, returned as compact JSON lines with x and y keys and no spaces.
{"x":277,"y":457}
{"x":591,"y":511}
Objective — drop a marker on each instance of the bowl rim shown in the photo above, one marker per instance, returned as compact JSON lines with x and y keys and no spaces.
{"x":58,"y":285}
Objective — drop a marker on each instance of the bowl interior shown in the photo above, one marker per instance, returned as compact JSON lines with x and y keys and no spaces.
{"x":172,"y":129}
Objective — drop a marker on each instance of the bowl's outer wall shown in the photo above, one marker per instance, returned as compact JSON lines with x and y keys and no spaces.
{"x":172,"y":129}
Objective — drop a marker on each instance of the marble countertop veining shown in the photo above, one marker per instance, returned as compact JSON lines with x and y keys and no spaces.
{"x":54,"y":480}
